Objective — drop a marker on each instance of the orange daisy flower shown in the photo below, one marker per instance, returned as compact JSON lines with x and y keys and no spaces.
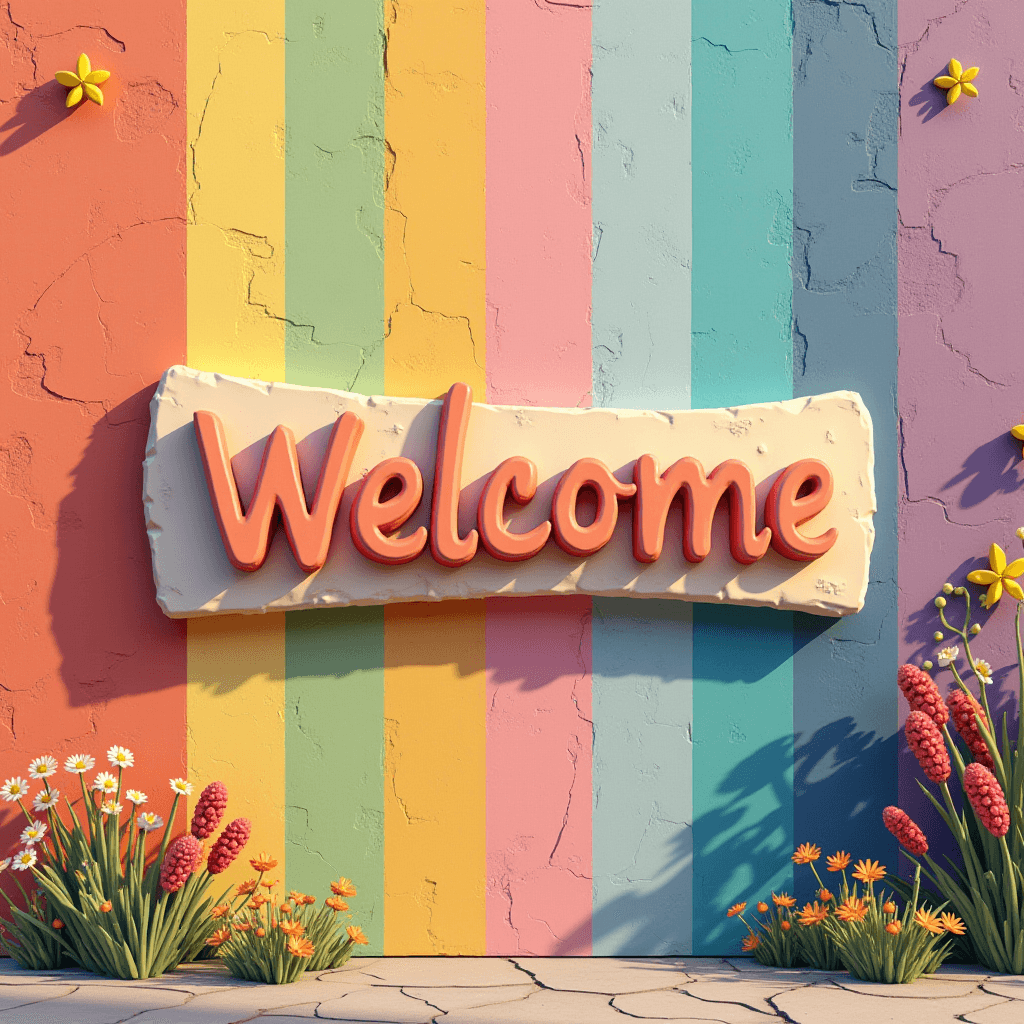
{"x":293,"y":928}
{"x":246,"y":887}
{"x":301,"y":947}
{"x":242,"y":926}
{"x":336,"y":903}
{"x":838,"y":861}
{"x":762,"y":907}
{"x":929,"y":921}
{"x":343,"y":887}
{"x":736,"y":908}
{"x":219,"y":937}
{"x":824,"y":895}
{"x":888,"y":907}
{"x":268,"y":883}
{"x":894,"y":927}
{"x":952,"y":924}
{"x":783,"y":900}
{"x":852,"y":909}
{"x":868,"y":871}
{"x":263,"y":862}
{"x":355,"y":933}
{"x":220,"y":911}
{"x":751,"y":942}
{"x":806,"y":853}
{"x":812,"y":914}
{"x":286,"y":908}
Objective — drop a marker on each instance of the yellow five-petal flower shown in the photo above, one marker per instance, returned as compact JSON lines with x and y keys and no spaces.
{"x":958,"y":81}
{"x":1018,"y":432}
{"x":85,"y":82}
{"x":998,"y":576}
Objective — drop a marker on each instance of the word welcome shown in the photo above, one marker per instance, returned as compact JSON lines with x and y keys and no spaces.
{"x":392,"y":491}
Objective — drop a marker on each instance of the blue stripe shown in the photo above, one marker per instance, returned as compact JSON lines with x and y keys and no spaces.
{"x":642,"y":691}
{"x":741,"y":352}
{"x":844,"y":306}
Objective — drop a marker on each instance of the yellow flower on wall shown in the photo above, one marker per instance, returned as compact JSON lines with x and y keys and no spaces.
{"x":957,"y":81}
{"x":1018,"y":432}
{"x":998,"y":576}
{"x":85,"y":82}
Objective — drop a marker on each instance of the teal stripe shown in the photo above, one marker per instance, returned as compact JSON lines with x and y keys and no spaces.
{"x":642,"y":691}
{"x":741,"y":350}
{"x":334,"y":337}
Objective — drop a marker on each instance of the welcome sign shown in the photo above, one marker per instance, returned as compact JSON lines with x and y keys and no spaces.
{"x":263,"y":496}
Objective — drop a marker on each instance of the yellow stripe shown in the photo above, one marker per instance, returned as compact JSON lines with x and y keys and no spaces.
{"x":434,"y":698}
{"x":235,"y":262}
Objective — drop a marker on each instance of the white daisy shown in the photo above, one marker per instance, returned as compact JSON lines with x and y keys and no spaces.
{"x":948,"y":655}
{"x":14,"y":789}
{"x":120,"y":757}
{"x":983,"y":670}
{"x":42,"y":767}
{"x":109,"y":807}
{"x":33,"y":833}
{"x":79,"y":764}
{"x":150,"y":820}
{"x":45,"y":799}
{"x":181,"y":787}
{"x":105,"y":782}
{"x":136,"y":796}
{"x":25,"y":860}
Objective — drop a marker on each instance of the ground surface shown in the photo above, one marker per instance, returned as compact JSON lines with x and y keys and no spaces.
{"x":421,"y":990}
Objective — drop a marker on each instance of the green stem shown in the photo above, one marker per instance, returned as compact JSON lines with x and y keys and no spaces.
{"x":167,"y":829}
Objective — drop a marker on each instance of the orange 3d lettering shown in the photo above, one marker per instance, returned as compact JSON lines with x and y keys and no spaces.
{"x":799,"y":493}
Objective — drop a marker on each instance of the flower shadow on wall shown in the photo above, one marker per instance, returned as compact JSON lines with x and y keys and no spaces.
{"x":994,"y":467}
{"x":35,"y":113}
{"x":930,"y":99}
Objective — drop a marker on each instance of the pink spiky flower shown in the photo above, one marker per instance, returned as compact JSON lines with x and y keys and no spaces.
{"x":928,"y":746}
{"x":229,"y":845}
{"x":909,"y":834}
{"x":987,"y":799}
{"x":213,"y":801}
{"x":922,"y":694}
{"x":180,"y":861}
{"x":963,"y":708}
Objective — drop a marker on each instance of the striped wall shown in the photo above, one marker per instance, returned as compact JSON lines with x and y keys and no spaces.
{"x":663,"y":205}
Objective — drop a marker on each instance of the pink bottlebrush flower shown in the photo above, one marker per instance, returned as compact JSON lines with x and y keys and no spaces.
{"x":905,"y":830}
{"x":987,"y":799}
{"x":922,"y":694}
{"x":229,"y":845}
{"x":963,"y":708}
{"x":209,"y":810}
{"x":182,"y":858}
{"x":928,"y":746}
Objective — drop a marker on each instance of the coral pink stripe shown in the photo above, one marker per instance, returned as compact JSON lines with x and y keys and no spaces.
{"x":538,"y":204}
{"x":539,"y":730}
{"x":539,"y":743}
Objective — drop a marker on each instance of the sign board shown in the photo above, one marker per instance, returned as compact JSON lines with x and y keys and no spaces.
{"x":411,"y":500}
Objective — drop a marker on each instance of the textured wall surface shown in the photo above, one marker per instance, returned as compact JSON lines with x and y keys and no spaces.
{"x":653,"y":205}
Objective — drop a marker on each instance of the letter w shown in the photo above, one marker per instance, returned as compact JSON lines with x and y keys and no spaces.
{"x":279,"y":483}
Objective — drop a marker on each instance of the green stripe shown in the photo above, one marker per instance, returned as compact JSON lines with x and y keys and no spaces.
{"x":741,"y":351}
{"x":334,"y":337}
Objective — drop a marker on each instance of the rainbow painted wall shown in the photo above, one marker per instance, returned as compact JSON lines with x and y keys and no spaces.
{"x":664,"y":204}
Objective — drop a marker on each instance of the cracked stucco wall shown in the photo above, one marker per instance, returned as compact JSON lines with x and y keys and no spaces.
{"x":961,"y":208}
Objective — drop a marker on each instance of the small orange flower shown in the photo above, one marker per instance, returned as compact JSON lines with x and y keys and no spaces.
{"x":785,"y":925}
{"x":736,"y":908}
{"x":868,"y":871}
{"x":343,"y":887}
{"x":58,"y":923}
{"x":286,"y":908}
{"x":220,"y":911}
{"x":300,"y":899}
{"x":263,"y":862}
{"x":293,"y":928}
{"x":806,"y":853}
{"x":929,"y":921}
{"x":355,"y":933}
{"x":268,"y":883}
{"x":894,"y":927}
{"x":260,"y":933}
{"x":246,"y":887}
{"x":336,"y":903}
{"x":852,"y":909}
{"x":751,"y":942}
{"x":952,"y":924}
{"x":812,"y":914}
{"x":301,"y":947}
{"x":242,"y":926}
{"x":783,"y":900}
{"x":888,"y":907}
{"x":838,"y":861}
{"x":824,"y":895}
{"x":106,"y":907}
{"x":219,"y":937}
{"x":258,"y":900}
{"x":762,"y":907}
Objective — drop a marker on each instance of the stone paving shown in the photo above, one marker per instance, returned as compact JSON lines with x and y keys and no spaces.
{"x":424,"y":990}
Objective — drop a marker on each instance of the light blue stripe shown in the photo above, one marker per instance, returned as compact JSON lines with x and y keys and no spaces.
{"x":642,"y":691}
{"x":844,"y":306}
{"x":741,"y":352}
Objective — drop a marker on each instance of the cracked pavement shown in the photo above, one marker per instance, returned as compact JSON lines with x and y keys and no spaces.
{"x":479,"y":990}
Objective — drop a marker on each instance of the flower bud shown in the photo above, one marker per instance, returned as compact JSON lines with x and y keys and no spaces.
{"x":927,"y":665}
{"x":976,"y":629}
{"x":947,"y":588}
{"x":940,"y":602}
{"x":936,"y":636}
{"x":959,"y":591}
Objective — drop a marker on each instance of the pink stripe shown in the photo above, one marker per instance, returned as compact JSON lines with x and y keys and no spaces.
{"x":538,"y":204}
{"x":539,"y":733}
{"x":539,"y":741}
